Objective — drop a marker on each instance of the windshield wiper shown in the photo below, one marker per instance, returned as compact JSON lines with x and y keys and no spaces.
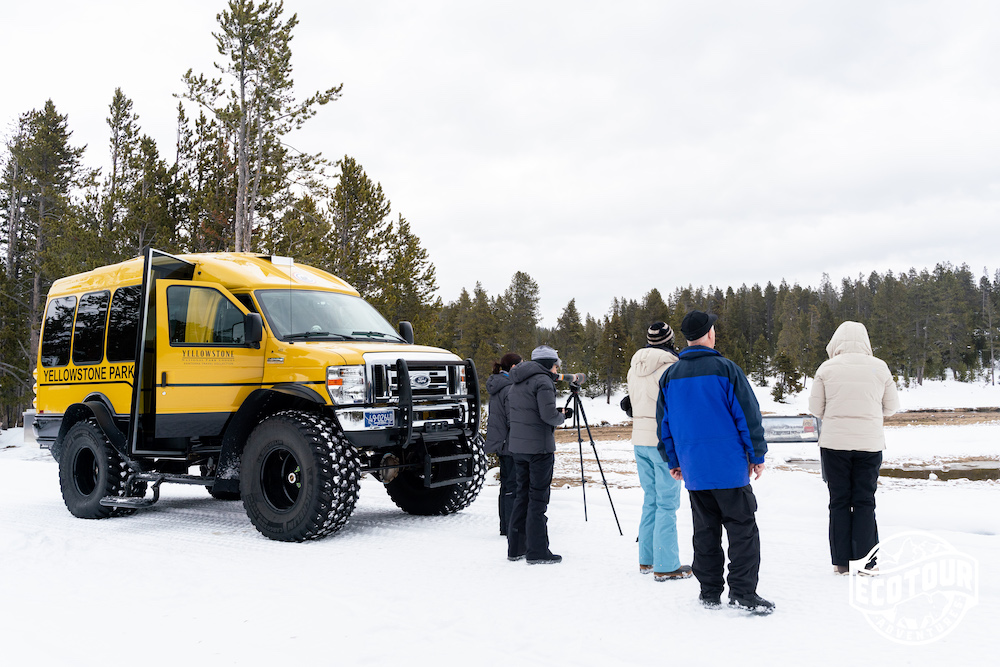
{"x":316,"y":334}
{"x":375,"y":334}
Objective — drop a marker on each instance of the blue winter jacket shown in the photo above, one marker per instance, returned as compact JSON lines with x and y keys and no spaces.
{"x":708,"y":421}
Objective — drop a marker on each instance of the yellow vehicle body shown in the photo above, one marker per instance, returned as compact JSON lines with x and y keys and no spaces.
{"x":176,"y":360}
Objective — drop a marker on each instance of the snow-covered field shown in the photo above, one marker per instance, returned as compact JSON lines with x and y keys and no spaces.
{"x":191,"y":582}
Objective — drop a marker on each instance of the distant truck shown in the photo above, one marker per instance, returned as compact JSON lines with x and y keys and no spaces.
{"x":254,"y":376}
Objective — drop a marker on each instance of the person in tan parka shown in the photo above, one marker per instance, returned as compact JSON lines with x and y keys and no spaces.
{"x":852,"y":393}
{"x":658,"y":550}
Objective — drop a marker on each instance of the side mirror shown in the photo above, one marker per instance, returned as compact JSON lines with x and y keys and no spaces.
{"x":406,"y":331}
{"x":253,"y":327}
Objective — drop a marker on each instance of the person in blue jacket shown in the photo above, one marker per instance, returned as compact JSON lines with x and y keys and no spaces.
{"x":711,"y":436}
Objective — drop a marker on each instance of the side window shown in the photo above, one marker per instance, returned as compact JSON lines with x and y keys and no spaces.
{"x":123,"y":325}
{"x":88,"y":334}
{"x":58,"y":331}
{"x":202,"y":316}
{"x":247,"y":302}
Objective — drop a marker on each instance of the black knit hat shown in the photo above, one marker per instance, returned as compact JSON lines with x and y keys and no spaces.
{"x":696,"y":324}
{"x":659,"y":333}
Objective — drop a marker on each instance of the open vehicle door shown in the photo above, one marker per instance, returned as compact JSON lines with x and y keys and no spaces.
{"x":157,"y":265}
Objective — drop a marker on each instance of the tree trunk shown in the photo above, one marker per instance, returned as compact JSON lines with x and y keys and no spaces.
{"x":242,"y":173}
{"x":36,"y":287}
{"x":13,"y":216}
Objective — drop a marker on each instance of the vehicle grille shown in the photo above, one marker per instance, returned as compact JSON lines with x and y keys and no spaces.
{"x":424,"y":382}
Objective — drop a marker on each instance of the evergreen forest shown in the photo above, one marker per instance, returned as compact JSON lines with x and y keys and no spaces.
{"x":230,"y":183}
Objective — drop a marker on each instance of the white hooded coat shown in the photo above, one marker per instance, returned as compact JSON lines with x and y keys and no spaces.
{"x":648,"y":366}
{"x":852,"y":393}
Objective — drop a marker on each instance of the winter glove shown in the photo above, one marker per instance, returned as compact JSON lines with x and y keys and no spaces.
{"x":627,"y":405}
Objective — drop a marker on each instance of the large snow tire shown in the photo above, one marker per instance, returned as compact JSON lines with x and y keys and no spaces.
{"x":407,"y":490}
{"x":299,"y":477}
{"x":90,"y":469}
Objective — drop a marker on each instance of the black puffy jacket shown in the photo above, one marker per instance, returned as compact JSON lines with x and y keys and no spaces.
{"x":498,"y":385}
{"x":531,"y":410}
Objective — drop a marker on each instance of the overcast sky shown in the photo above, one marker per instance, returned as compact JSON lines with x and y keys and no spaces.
{"x":605,"y":148}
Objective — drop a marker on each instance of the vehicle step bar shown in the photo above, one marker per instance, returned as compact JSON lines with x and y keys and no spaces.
{"x":157,"y":478}
{"x":429,"y":460}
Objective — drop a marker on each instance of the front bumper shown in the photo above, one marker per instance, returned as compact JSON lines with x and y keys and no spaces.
{"x":402,"y":406}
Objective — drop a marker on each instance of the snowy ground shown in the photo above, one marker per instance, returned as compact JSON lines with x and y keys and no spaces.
{"x":190,"y":581}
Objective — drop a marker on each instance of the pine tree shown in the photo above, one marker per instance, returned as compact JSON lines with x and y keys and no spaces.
{"x":568,"y":337}
{"x":207,"y":176}
{"x":257,"y":107}
{"x":51,"y":168}
{"x":453,"y":322}
{"x":593,"y":335}
{"x":361,"y":230}
{"x":409,"y":283}
{"x":613,"y":353}
{"x":519,"y":316}
{"x":302,"y":234}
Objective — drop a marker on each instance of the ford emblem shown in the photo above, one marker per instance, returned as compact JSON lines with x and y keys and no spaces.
{"x":421,"y":381}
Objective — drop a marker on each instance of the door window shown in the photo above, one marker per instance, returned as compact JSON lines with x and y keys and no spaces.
{"x":123,"y":324}
{"x":203,"y":316}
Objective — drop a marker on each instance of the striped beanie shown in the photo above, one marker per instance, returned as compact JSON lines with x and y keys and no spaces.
{"x":659,"y":333}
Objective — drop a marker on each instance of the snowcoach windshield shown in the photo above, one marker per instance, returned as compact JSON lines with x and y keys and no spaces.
{"x":316,"y":315}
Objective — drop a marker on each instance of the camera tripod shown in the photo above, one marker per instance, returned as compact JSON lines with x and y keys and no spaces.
{"x":578,"y":414}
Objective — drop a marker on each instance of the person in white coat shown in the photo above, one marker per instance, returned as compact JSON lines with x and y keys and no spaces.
{"x":658,"y":550}
{"x":852,"y":393}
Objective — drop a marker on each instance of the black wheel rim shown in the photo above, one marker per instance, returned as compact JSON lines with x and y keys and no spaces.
{"x":85,"y":471}
{"x":280,"y":479}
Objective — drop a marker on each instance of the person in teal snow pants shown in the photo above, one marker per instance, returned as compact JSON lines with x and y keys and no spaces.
{"x":659,"y":554}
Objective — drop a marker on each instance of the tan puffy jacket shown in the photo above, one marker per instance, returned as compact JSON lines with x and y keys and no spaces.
{"x":648,"y":365}
{"x":852,"y":393}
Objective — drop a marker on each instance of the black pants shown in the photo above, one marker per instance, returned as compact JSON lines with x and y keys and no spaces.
{"x":733,"y":508}
{"x":851,"y":477}
{"x":508,"y":486}
{"x":527,"y":533}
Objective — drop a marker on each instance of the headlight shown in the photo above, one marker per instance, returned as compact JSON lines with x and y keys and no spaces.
{"x":346,"y":384}
{"x":462,"y":387}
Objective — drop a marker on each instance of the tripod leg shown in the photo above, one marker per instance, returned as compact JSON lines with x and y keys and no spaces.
{"x":579,"y":441}
{"x":578,"y":410}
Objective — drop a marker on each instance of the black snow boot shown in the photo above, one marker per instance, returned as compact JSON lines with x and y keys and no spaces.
{"x":710,"y":600}
{"x":551,"y":559}
{"x":753,"y":603}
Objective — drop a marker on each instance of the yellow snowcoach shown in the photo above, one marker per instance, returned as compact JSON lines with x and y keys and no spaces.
{"x":256,"y":377}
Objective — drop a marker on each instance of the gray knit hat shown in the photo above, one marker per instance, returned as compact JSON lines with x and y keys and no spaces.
{"x":545,"y":353}
{"x":659,"y":333}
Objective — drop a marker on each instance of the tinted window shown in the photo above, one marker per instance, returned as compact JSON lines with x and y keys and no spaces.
{"x":247,"y":302}
{"x":57,"y":332}
{"x":123,"y":325}
{"x":316,"y":314}
{"x":88,"y":333}
{"x":202,"y":315}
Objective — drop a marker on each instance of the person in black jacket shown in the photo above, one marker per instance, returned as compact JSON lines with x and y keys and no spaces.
{"x":533,"y":416}
{"x":498,"y":385}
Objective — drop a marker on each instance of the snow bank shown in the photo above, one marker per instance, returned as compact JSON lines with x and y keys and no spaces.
{"x":933,"y":395}
{"x":189,"y":581}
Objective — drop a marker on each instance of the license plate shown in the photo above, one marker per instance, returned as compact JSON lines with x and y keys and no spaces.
{"x":380,"y":418}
